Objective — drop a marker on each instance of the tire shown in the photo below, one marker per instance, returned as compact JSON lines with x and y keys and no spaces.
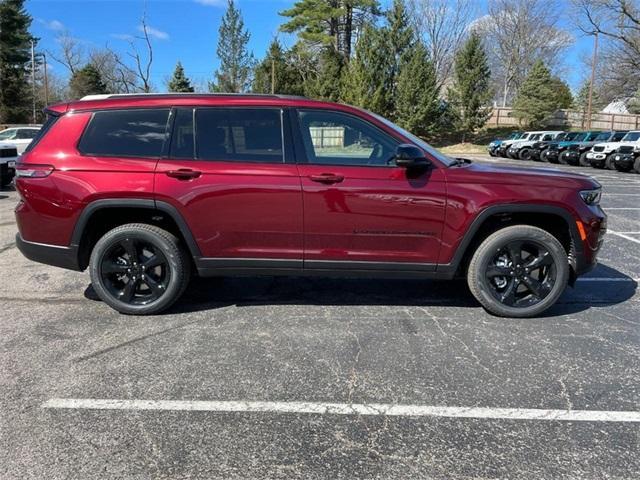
{"x":553,"y":270}
{"x":525,"y":154}
{"x":610,"y":162}
{"x":584,"y":161}
{"x":512,"y":157}
{"x":493,"y":153}
{"x":543,"y":157}
{"x":168,"y":268}
{"x":562,"y":159}
{"x":636,"y":165}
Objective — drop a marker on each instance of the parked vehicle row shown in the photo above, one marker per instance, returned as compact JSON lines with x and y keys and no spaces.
{"x":615,"y":150}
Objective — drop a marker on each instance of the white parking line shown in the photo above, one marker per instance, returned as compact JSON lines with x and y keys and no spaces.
{"x":622,"y":235}
{"x":606,"y":279}
{"x":319,"y":408}
{"x":606,"y":209}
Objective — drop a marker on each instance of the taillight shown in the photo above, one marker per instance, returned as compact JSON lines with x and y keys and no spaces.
{"x":33,"y":171}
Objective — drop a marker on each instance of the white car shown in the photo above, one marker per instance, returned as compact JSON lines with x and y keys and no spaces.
{"x":21,"y":137}
{"x":600,"y":154}
{"x":8,"y":157}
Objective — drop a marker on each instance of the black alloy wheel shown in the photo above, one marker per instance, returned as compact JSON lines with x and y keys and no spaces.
{"x":521,"y":274}
{"x":135,"y":272}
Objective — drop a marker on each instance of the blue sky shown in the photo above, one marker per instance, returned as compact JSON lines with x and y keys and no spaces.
{"x":187,"y":30}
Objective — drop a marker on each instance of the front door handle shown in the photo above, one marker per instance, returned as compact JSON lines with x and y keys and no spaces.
{"x":183,"y":174}
{"x":327,"y":178}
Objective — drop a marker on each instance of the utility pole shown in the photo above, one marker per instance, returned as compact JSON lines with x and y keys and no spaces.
{"x":33,"y":79}
{"x":593,"y":76}
{"x":46,"y":80}
{"x":273,"y":76}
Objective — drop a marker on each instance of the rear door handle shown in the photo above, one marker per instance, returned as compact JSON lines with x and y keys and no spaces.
{"x":327,"y":178}
{"x":183,"y":174}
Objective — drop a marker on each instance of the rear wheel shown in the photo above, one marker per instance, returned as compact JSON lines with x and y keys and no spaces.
{"x":610,"y":162}
{"x":518,"y":271}
{"x":584,"y":161}
{"x":139,"y":269}
{"x":525,"y":154}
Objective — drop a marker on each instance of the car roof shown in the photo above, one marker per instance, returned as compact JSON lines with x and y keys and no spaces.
{"x":142,"y":100}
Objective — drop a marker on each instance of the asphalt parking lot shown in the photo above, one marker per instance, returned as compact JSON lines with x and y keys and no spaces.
{"x":329,"y":344}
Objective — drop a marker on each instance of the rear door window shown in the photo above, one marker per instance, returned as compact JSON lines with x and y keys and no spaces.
{"x":239,"y":134}
{"x":126,"y":133}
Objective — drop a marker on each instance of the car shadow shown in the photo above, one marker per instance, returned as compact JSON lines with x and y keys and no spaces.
{"x":211,"y":293}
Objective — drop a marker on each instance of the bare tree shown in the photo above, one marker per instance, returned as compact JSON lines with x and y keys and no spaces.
{"x":617,"y":22}
{"x":518,"y":33}
{"x":142,"y":61}
{"x":116,"y":75}
{"x":443,"y":25}
{"x":71,"y":52}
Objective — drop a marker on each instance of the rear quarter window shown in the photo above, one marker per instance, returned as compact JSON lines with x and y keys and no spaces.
{"x":126,"y":133}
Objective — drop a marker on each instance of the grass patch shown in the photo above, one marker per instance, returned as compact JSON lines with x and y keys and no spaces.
{"x":463,"y":148}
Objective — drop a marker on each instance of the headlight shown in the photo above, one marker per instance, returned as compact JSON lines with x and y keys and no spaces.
{"x":591,"y":197}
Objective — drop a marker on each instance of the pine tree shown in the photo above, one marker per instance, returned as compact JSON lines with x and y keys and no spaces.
{"x":563,"y":92}
{"x":15,"y":58}
{"x":328,"y":23}
{"x":366,"y":81}
{"x":417,"y":97}
{"x":538,"y":97}
{"x":179,"y":82}
{"x":86,"y":81}
{"x":372,"y":77}
{"x":236,"y":62}
{"x":326,"y":84}
{"x":278,"y":73}
{"x":470,"y":95}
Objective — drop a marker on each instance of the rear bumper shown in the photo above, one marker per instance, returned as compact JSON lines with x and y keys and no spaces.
{"x":57,"y":256}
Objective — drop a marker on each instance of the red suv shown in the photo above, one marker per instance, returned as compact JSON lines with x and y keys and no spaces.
{"x":145,"y":190}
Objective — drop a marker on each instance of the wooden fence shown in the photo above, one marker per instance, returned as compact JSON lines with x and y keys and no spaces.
{"x":503,"y":117}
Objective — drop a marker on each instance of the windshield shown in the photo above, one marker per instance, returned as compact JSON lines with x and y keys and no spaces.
{"x":7,"y":134}
{"x":448,"y":161}
{"x":514,"y":136}
{"x":603,"y":137}
{"x":618,"y":136}
{"x":631,"y":137}
{"x":591,"y":136}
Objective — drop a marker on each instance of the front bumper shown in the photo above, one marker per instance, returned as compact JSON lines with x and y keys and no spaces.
{"x":624,"y":161}
{"x":57,"y":256}
{"x":594,"y":228}
{"x":572,"y":157}
{"x":551,"y":155}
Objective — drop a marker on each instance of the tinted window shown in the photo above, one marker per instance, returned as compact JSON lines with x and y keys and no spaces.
{"x":247,"y":134}
{"x":182,"y":144}
{"x":25,"y":134}
{"x":547,"y":137}
{"x":334,"y":138}
{"x":126,"y":133}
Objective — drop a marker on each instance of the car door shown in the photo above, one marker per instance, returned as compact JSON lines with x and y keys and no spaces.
{"x":361,"y":211}
{"x":228,"y":172}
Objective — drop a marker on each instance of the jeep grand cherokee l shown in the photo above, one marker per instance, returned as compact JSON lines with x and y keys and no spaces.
{"x":143,"y":190}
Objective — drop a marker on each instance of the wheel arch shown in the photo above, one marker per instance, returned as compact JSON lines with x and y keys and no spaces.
{"x":556,"y":220}
{"x":100,"y":216}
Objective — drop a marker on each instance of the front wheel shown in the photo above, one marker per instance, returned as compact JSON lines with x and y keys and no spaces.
{"x":584,"y":161}
{"x":525,"y":154}
{"x":610,"y":162}
{"x":636,"y":165}
{"x":139,"y":269}
{"x":562,"y":158}
{"x":518,"y":271}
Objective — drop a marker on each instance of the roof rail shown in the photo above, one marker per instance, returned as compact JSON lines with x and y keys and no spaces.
{"x":185,"y":94}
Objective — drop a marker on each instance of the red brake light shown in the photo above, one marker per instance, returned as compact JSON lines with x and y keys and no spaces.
{"x":33,"y":171}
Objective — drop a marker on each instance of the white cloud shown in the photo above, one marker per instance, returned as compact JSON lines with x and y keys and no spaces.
{"x":154,"y":32}
{"x":55,"y":25}
{"x":122,"y":36}
{"x":212,"y":3}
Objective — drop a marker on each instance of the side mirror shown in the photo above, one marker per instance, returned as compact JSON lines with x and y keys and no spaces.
{"x":410,"y":156}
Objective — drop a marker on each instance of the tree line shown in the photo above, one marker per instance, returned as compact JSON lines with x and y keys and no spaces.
{"x":432,"y":66}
